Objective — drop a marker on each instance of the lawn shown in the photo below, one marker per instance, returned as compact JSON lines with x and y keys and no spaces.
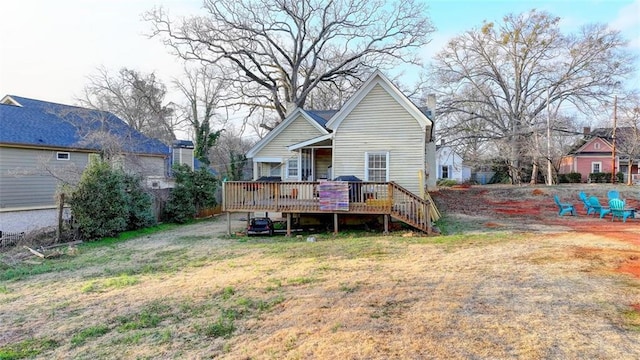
{"x":497,"y":286}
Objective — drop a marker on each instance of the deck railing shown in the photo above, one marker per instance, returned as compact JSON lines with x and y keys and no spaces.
{"x":304,"y":197}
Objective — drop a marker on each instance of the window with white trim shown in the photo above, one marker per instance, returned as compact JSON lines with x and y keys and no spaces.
{"x":292,"y":168}
{"x":445,"y":172}
{"x":596,"y":167}
{"x":596,"y":146}
{"x":377,"y":166}
{"x":63,"y":156}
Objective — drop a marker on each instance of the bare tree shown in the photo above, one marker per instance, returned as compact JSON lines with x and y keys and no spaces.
{"x":136,"y":98}
{"x":204,"y":92}
{"x":227,"y":155}
{"x":499,"y":75}
{"x":628,"y":134}
{"x":276,"y":52}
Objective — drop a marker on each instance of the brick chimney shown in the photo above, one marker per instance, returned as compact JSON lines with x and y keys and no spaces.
{"x":586,"y":130}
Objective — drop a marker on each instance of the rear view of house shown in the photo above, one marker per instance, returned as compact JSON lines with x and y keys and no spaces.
{"x":379,"y":140}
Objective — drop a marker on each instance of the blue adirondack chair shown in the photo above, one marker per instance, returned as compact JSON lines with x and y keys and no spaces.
{"x":595,"y":207}
{"x":617,"y":208}
{"x":613,"y":194}
{"x":564,"y":208}
{"x":585,"y":200}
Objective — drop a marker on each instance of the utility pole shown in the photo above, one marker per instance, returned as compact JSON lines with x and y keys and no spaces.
{"x":549,"y":173}
{"x":613,"y":139}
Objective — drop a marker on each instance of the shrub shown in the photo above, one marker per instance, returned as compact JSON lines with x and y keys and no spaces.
{"x":99,"y":203}
{"x":140,"y":204}
{"x":563,"y":179}
{"x":180,"y":207}
{"x":446,"y":182}
{"x":574,"y":177}
{"x":195,"y":190}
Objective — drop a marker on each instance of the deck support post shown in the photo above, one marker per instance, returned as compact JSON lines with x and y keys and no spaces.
{"x":228,"y":223}
{"x":248,"y":220}
{"x":386,"y":224}
{"x":335,"y":223}
{"x":288,"y":224}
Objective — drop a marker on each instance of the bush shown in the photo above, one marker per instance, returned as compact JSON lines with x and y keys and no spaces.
{"x":180,"y":207}
{"x":140,"y":204}
{"x":99,"y":204}
{"x":446,"y":182}
{"x":194,"y":191}
{"x":574,"y":177}
{"x":605,"y":177}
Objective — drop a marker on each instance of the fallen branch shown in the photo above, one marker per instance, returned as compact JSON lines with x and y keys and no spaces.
{"x":63,"y":244}
{"x":35,"y":252}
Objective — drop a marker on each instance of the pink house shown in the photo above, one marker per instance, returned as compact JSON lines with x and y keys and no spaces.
{"x":593,"y":154}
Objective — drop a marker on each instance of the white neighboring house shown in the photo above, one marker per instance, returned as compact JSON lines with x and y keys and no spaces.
{"x":449,"y":165}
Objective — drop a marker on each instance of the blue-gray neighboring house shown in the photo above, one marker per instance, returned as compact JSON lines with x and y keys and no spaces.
{"x":44,"y":144}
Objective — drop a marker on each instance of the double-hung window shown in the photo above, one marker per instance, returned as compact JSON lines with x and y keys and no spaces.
{"x":292,"y":168}
{"x":377,"y":166}
{"x":445,"y":171}
{"x":596,"y":166}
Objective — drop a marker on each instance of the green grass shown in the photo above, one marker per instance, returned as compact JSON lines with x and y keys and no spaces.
{"x":150,"y":316}
{"x":27,"y":348}
{"x":91,"y":332}
{"x":223,"y":327}
{"x":301,"y":281}
{"x":128,"y":235}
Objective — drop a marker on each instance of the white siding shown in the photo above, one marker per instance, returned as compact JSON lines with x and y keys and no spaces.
{"x":379,"y":124}
{"x":298,"y":130}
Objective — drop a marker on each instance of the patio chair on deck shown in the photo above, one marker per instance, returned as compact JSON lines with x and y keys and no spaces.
{"x":595,"y":207}
{"x":564,"y":208}
{"x":617,"y":208}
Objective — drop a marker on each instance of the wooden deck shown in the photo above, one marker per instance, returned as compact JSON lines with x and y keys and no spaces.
{"x":305,"y":197}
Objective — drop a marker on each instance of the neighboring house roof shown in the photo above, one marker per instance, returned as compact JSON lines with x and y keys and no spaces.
{"x":623,"y":134}
{"x":37,"y":123}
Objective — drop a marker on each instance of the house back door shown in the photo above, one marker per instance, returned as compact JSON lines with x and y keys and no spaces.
{"x":306,"y":164}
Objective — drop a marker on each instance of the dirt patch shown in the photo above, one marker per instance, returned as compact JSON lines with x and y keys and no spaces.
{"x":532,"y":209}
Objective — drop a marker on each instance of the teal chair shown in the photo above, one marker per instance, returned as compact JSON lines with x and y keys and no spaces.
{"x":617,"y":208}
{"x":595,"y":207}
{"x":613,"y":194}
{"x":564,"y":208}
{"x":585,"y":200}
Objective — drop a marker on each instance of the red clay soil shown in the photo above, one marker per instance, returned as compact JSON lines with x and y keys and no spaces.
{"x":513,"y":205}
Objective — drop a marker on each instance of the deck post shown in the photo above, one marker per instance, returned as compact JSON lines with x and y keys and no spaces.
{"x":335,"y":223}
{"x":386,"y":224}
{"x":288,"y":224}
{"x":228,"y":223}
{"x":248,"y":220}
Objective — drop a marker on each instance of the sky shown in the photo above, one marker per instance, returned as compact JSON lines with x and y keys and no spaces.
{"x":49,"y":48}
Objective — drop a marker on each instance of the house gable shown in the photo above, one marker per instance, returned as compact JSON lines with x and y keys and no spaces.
{"x":297,"y":127}
{"x":594,"y":146}
{"x":380,"y":124}
{"x":378,"y":79}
